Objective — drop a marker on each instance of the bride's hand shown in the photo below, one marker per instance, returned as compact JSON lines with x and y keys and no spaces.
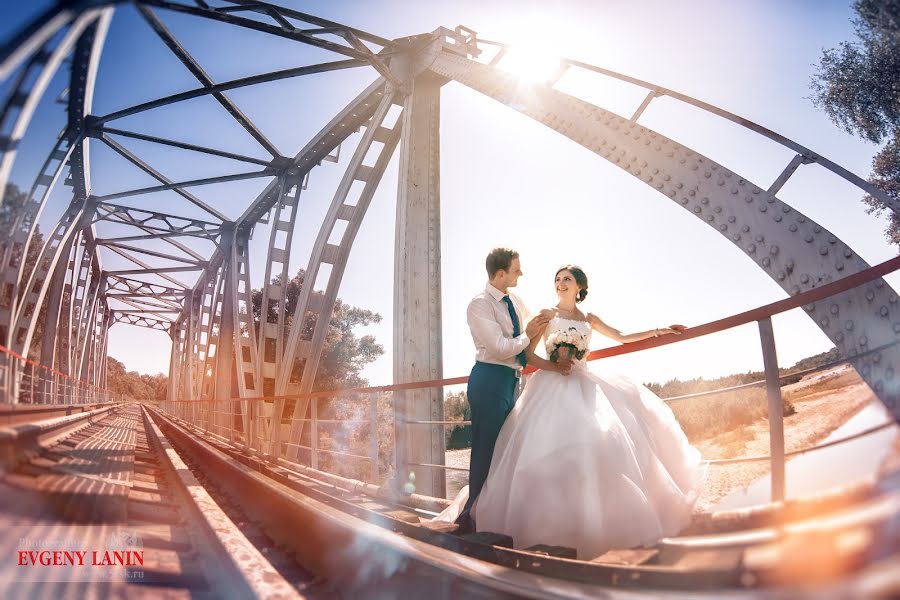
{"x":564,"y":365}
{"x":536,"y":326}
{"x":672,"y":329}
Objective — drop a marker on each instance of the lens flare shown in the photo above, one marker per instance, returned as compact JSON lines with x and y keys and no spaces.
{"x":530,"y":65}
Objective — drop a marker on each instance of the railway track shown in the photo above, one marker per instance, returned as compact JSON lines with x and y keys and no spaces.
{"x":213,"y":521}
{"x":115,"y":489}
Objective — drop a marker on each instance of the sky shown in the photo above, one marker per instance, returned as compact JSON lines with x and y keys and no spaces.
{"x":507,"y":180}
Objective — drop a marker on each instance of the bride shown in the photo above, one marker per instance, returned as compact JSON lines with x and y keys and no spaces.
{"x":585,"y":461}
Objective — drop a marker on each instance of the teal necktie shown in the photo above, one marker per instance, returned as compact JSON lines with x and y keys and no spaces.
{"x":516,"y":330}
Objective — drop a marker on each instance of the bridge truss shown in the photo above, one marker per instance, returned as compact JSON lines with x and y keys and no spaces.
{"x":219,"y":351}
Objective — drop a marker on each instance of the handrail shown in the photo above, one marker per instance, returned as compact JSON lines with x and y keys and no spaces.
{"x":5,"y":350}
{"x":724,"y":390}
{"x":762,"y":312}
{"x":261,"y":440}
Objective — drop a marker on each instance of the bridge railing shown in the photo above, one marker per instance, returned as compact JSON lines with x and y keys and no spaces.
{"x":354,"y":432}
{"x":24,"y":381}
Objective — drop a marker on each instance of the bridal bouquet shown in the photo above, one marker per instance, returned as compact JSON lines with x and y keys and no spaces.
{"x":571,"y":339}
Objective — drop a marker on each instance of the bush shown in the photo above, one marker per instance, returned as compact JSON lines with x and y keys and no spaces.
{"x":456,"y":408}
{"x":708,"y":416}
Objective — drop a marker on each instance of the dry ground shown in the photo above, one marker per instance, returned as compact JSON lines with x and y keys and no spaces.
{"x":823,"y":402}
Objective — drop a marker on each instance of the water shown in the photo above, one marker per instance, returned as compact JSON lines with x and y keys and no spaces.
{"x":457,"y":479}
{"x":824,"y":469}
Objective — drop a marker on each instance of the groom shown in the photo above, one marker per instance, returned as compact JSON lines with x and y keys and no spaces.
{"x":495,"y":319}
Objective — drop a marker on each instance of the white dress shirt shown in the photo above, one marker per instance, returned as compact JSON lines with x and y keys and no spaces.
{"x":492,"y":328}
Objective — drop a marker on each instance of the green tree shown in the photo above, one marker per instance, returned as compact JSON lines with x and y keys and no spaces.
{"x":456,"y":408}
{"x":14,"y":201}
{"x":134,"y":385}
{"x":858,"y":86}
{"x":345,"y":354}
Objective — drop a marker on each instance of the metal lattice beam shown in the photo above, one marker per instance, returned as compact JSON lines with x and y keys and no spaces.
{"x":318,"y":305}
{"x":228,"y":85}
{"x":197,"y":71}
{"x":217,"y":351}
{"x":792,"y":249}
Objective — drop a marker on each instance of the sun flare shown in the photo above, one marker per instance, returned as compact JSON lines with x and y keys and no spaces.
{"x":530,"y":65}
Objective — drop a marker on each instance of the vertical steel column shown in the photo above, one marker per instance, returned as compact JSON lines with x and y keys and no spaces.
{"x":174,"y":361}
{"x":91,"y":339}
{"x":417,"y":289}
{"x":244,"y":333}
{"x":214,"y":290}
{"x":211,"y":300}
{"x":181,"y":335}
{"x":273,"y":307}
{"x":226,"y":346}
{"x":56,"y":325}
{"x":306,"y":347}
{"x":90,"y":343}
{"x":186,"y":386}
{"x":103,"y":340}
{"x":67,"y":339}
{"x":776,"y":409}
{"x":194,"y":348}
{"x":87,"y":310}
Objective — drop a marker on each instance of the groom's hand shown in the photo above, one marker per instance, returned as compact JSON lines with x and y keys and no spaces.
{"x":536,"y":326}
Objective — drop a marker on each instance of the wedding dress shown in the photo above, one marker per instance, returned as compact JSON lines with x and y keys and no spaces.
{"x":589,"y":462}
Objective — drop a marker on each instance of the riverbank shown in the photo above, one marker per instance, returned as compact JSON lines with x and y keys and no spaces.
{"x":823,"y":402}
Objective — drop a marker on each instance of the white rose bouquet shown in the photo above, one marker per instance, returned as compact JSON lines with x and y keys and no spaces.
{"x":567,"y":342}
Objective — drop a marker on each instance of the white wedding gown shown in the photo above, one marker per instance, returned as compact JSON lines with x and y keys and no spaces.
{"x":589,"y":462}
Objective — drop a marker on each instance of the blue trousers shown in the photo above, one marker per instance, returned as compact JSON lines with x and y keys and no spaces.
{"x":492,"y":395}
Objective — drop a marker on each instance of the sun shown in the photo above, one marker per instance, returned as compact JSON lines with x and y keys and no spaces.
{"x":530,"y":65}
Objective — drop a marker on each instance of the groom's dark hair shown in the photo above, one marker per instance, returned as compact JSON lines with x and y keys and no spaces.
{"x":499,"y":259}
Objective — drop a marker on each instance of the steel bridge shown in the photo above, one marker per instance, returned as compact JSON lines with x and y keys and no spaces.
{"x":225,"y":481}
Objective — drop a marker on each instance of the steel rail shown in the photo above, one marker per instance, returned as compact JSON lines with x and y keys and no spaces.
{"x":724,"y":390}
{"x":19,"y":442}
{"x":236,"y":565}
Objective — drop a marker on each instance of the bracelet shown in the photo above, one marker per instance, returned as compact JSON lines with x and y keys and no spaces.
{"x":656,"y":332}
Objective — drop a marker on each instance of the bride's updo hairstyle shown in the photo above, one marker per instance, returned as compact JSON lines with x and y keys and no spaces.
{"x":580,"y":279}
